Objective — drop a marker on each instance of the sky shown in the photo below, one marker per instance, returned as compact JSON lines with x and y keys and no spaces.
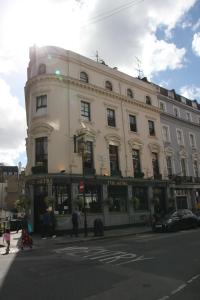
{"x":159,"y":38}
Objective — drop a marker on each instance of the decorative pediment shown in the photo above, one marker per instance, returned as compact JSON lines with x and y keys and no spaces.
{"x":87,"y":133}
{"x":182,"y":153}
{"x":154,"y":147}
{"x":41,"y":128}
{"x":195,"y":155}
{"x":113,"y":138}
{"x":169,"y":151}
{"x":135,"y":143}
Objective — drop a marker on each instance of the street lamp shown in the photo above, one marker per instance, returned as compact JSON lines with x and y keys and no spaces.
{"x":82,"y":146}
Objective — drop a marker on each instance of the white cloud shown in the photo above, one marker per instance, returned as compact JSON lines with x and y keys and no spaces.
{"x":160,"y":55}
{"x":186,"y":24}
{"x":117,"y":32}
{"x":132,"y":33}
{"x":196,"y":43}
{"x":120,"y":34}
{"x":191,"y":92}
{"x":12,"y":125}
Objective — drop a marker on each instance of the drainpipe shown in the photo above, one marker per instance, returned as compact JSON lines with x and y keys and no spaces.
{"x":125,"y":148}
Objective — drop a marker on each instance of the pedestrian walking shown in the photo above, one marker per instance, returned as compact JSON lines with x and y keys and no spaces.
{"x":46,"y":224}
{"x":75,"y":222}
{"x":6,"y":238}
{"x":52,"y":224}
{"x":26,"y":239}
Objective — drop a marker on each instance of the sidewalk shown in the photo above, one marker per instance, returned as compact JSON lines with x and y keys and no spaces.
{"x":67,"y":239}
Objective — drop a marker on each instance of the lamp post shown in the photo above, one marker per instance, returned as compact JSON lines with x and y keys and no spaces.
{"x":82,"y":186}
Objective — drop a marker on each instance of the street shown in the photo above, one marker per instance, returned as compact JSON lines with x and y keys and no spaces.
{"x":142,"y":267}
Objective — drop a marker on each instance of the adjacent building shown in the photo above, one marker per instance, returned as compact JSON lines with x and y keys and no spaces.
{"x":94,"y":133}
{"x":180,"y":118}
{"x":9,"y":189}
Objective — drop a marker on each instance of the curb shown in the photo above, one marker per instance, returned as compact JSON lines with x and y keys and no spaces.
{"x":94,"y":238}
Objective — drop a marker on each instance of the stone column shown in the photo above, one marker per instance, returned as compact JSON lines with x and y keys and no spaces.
{"x":130,"y":204}
{"x":74,"y":193}
{"x":192,"y":200}
{"x":31,"y":195}
{"x":150,"y":199}
{"x":105,"y":205}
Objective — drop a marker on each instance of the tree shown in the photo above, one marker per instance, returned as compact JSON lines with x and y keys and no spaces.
{"x":23,"y":203}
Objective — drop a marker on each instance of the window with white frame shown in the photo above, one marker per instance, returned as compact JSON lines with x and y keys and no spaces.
{"x":85,"y":110}
{"x":179,"y":134}
{"x":169,"y":165}
{"x":183,"y":167}
{"x":192,"y":140}
{"x":148,"y":100}
{"x":41,"y":102}
{"x":84,"y":77}
{"x":196,"y":168}
{"x":129,"y":93}
{"x":132,"y":123}
{"x":162,"y":106}
{"x":151,"y":128}
{"x":176,"y":111}
{"x":166,"y":135}
{"x":188,"y":116}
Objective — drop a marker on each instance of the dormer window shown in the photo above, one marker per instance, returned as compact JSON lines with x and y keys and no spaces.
{"x":84,"y":77}
{"x":42,"y":69}
{"x":148,"y":100}
{"x":108,"y":85}
{"x":129,"y":93}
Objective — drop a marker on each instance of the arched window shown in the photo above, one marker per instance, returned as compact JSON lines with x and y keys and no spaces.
{"x":84,"y":77}
{"x":148,"y":100}
{"x":129,"y":93}
{"x":108,"y":85}
{"x":42,"y":69}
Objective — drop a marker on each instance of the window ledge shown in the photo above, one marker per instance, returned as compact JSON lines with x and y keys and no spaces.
{"x":115,"y":128}
{"x":134,"y":132}
{"x":40,"y":116}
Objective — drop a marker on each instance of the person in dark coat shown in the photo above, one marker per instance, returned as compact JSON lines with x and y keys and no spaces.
{"x":75,"y":222}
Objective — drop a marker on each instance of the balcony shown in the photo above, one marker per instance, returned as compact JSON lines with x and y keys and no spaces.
{"x":183,"y":179}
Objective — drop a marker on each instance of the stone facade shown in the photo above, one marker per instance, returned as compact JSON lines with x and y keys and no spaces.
{"x":91,"y":123}
{"x":180,"y":120}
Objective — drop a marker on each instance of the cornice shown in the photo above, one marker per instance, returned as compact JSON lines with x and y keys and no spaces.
{"x":60,"y":80}
{"x":85,"y":62}
{"x":180,"y":119}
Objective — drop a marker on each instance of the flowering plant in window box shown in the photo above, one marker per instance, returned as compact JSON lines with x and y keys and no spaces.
{"x":136,"y":202}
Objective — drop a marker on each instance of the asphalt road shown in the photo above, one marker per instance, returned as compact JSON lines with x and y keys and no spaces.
{"x":143,"y":267}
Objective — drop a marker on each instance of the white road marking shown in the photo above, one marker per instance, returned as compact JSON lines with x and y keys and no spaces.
{"x":103,"y":255}
{"x":140,"y":258}
{"x":193,"y":278}
{"x":181,"y":287}
{"x":164,"y":298}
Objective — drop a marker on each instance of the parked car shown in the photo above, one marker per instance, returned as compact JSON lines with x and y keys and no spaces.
{"x":197,"y":213}
{"x":177,"y":220}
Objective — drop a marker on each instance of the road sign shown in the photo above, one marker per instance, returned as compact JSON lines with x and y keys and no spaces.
{"x":81,"y":186}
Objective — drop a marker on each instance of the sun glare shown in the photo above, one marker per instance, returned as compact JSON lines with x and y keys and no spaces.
{"x":46,"y":22}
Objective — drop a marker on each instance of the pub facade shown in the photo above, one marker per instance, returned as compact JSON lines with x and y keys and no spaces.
{"x":94,"y":142}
